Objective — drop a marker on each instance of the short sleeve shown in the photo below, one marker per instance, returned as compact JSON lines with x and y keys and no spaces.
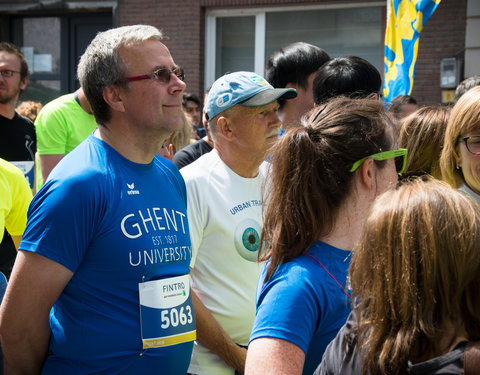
{"x":63,"y":217}
{"x":17,"y":194}
{"x":50,"y":127}
{"x":287,"y":309}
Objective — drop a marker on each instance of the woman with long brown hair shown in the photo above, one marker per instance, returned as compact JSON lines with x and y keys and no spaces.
{"x":415,"y":273}
{"x":422,"y":133}
{"x":324,"y":177}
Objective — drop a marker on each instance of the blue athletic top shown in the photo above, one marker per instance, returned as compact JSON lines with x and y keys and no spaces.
{"x":117,"y":225}
{"x":301,"y":303}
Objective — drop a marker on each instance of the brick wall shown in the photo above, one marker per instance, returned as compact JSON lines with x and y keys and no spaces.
{"x":443,"y":36}
{"x":183,"y":25}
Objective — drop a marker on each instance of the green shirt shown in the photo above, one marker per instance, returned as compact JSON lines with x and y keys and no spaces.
{"x":61,"y":126}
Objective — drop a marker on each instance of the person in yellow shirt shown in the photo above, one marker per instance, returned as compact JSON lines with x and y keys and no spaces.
{"x":15,"y":196}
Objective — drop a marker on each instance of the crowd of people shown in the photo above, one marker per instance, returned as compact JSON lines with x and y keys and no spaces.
{"x":292,"y":224}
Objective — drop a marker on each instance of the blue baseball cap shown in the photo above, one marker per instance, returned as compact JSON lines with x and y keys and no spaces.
{"x":243,"y":88}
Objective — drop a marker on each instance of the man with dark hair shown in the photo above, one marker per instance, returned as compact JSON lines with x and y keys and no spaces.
{"x":349,"y":76}
{"x":17,"y":133}
{"x":466,"y":85}
{"x":225,"y":217}
{"x":294,"y":66}
{"x":192,"y":108}
{"x":101,"y":281}
{"x":401,"y":106}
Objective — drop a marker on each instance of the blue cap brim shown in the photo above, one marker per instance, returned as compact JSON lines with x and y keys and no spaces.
{"x":268,"y":96}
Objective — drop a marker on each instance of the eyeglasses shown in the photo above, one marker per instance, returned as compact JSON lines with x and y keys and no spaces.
{"x":7,"y":73}
{"x":399,"y":154}
{"x":162,"y":75}
{"x":472,"y":144}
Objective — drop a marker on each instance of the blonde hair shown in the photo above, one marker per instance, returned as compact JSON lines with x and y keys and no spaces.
{"x":422,"y":133}
{"x":465,"y":117}
{"x":181,"y":137}
{"x":416,"y":271}
{"x":29,"y":109}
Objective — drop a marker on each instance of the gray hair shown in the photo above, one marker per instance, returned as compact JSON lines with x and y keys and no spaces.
{"x":466,"y":85}
{"x":101,"y":66}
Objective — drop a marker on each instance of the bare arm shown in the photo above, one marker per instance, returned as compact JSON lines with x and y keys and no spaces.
{"x":268,"y":355}
{"x":212,"y":336}
{"x":48,"y":162}
{"x":16,"y":241}
{"x":34,"y":287}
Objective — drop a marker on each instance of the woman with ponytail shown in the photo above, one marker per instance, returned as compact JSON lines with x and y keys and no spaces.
{"x":324,"y":177}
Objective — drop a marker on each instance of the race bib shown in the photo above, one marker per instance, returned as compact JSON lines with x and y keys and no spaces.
{"x":27,"y":168}
{"x":166,"y":312}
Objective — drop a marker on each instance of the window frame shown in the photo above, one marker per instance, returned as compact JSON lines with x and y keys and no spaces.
{"x":260,"y":15}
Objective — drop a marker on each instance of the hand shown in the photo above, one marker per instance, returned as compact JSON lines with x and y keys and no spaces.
{"x":167,"y":152}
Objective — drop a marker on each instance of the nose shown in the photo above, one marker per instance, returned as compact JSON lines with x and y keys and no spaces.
{"x":176,"y":85}
{"x":274,"y":120}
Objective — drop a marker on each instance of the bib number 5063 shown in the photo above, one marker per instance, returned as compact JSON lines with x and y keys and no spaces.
{"x":173,"y":317}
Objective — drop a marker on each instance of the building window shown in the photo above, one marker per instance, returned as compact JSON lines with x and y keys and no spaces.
{"x":39,"y":38}
{"x":243,"y":39}
{"x":235,"y":43}
{"x":53,"y":45}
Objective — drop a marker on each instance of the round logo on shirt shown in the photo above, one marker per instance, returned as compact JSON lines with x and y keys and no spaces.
{"x":247,"y":239}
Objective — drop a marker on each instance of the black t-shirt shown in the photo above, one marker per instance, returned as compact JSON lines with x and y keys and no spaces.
{"x":191,"y":153}
{"x":17,"y":139}
{"x":17,"y":143}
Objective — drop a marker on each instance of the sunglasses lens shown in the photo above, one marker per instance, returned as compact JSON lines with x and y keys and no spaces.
{"x":163,"y":75}
{"x":179,"y":73}
{"x":399,"y":163}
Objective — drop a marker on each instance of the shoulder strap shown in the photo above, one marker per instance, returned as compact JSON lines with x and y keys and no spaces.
{"x":471,"y":362}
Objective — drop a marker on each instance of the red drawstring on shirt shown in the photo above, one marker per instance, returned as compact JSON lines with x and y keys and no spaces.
{"x":333,"y":277}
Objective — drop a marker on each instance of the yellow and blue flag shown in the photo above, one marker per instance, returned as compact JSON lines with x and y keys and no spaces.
{"x":405,"y":21}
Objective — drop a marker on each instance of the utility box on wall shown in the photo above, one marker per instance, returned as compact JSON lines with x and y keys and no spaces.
{"x":449,"y":73}
{"x":449,"y":78}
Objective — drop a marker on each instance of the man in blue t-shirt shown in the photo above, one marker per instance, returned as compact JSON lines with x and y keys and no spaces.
{"x":101,"y":282}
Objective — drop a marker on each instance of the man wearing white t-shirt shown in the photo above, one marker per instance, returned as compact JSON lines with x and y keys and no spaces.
{"x":225,"y":217}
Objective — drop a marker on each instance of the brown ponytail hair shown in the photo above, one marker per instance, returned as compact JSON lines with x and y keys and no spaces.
{"x":310,"y":174}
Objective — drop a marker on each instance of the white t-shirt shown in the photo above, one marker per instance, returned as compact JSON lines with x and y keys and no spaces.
{"x":225,"y":219}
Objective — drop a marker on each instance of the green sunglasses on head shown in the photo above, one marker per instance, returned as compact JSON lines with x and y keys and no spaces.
{"x":399,"y":154}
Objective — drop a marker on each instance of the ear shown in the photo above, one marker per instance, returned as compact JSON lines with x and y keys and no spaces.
{"x":367,"y":174}
{"x":290,"y":85}
{"x":112,"y":96}
{"x":224,"y":126}
{"x":24,"y":83}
